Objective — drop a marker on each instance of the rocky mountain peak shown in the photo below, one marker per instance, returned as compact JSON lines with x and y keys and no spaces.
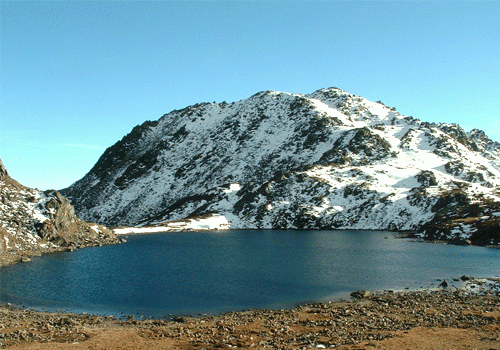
{"x":328,"y":159}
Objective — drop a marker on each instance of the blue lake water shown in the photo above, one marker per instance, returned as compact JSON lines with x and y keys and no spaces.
{"x":156,"y":275}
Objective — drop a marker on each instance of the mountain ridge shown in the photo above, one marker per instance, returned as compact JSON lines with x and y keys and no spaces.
{"x":328,"y":159}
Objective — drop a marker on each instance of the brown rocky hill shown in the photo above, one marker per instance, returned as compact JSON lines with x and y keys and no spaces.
{"x":34,"y":222}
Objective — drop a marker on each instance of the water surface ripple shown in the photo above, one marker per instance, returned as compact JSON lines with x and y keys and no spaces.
{"x":212,"y":272}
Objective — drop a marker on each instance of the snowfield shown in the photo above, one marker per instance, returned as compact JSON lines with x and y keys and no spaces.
{"x":215,"y":222}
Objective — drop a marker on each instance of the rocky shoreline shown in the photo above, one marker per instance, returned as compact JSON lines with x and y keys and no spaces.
{"x":468,"y":317}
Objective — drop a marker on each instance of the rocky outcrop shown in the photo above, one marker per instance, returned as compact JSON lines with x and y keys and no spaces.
{"x":3,"y":171}
{"x":462,"y":220}
{"x":63,"y":227}
{"x":34,"y":222}
{"x":324,"y":160}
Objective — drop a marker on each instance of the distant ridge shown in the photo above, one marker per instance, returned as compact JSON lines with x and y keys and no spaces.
{"x":324,"y":160}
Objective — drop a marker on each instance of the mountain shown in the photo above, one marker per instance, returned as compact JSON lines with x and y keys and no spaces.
{"x":325,"y":160}
{"x":34,"y":222}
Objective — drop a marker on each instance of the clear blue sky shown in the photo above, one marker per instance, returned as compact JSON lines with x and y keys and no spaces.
{"x":77,"y":76}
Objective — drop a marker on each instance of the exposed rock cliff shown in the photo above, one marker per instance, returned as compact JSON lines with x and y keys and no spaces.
{"x":33,"y":222}
{"x":329,"y":159}
{"x":3,"y":171}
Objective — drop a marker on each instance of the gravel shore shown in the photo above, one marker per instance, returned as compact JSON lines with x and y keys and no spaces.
{"x":448,"y":318}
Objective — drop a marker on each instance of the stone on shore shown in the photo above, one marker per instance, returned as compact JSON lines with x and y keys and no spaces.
{"x":361,"y":294}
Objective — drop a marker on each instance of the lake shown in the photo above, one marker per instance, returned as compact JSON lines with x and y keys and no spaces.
{"x":157,"y":275}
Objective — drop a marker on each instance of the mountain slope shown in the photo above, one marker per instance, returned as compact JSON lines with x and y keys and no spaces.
{"x":279,"y":160}
{"x":33,"y":222}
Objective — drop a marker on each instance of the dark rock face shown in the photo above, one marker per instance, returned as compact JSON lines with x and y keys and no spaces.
{"x":427,"y":178}
{"x":32,"y":222}
{"x":325,"y":160}
{"x":3,"y":171}
{"x":462,"y":219}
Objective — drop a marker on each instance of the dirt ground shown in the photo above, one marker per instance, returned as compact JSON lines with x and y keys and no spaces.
{"x":417,"y":339}
{"x":442,"y":319}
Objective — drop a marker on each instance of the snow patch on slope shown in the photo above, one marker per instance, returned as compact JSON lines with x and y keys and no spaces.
{"x":215,"y":222}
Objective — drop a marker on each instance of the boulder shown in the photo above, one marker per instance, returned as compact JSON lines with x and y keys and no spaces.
{"x":361,"y":294}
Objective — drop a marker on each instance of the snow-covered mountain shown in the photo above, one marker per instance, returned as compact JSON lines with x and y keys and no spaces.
{"x":33,"y":222}
{"x":329,"y":159}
